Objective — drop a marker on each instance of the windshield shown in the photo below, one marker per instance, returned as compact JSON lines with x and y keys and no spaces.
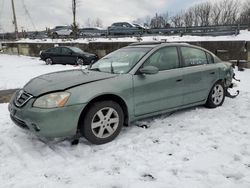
{"x":120,"y":61}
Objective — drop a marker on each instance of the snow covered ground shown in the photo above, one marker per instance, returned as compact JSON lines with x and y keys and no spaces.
{"x":15,"y":71}
{"x":196,"y":147}
{"x":243,"y":36}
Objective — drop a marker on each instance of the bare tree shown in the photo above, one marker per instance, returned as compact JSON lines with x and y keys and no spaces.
{"x":178,"y":19}
{"x":245,"y":14}
{"x":189,"y":18}
{"x":147,"y":20}
{"x":215,"y":14}
{"x":158,"y":22}
{"x":166,"y":18}
{"x":89,"y":22}
{"x":229,"y":10}
{"x":204,"y":13}
{"x":222,"y":12}
{"x":98,"y":22}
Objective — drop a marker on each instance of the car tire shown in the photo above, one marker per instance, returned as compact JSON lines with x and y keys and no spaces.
{"x":216,"y":95}
{"x":103,"y":122}
{"x":55,"y":36}
{"x":48,"y":61}
{"x":80,"y":61}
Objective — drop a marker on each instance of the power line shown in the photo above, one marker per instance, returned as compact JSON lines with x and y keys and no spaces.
{"x":1,"y":12}
{"x":28,"y":14}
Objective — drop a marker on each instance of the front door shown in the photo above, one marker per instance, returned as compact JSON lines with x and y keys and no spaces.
{"x":67,"y":56}
{"x":163,"y":90}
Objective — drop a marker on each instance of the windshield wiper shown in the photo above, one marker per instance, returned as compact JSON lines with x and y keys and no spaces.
{"x":111,"y":67}
{"x":95,"y":69}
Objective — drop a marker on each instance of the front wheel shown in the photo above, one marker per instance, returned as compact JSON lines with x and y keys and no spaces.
{"x":216,"y":96}
{"x":48,"y":61}
{"x":79,"y":61}
{"x":102,"y":122}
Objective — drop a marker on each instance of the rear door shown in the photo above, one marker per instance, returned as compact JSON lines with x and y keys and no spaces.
{"x":67,"y":56}
{"x":161,"y":91}
{"x":199,"y":74}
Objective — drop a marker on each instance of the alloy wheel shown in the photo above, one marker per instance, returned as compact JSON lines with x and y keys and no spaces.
{"x":80,"y":61}
{"x":48,"y":61}
{"x":105,"y":122}
{"x":217,"y":94}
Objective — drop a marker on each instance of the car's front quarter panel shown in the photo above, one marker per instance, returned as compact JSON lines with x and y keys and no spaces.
{"x":121,"y":86}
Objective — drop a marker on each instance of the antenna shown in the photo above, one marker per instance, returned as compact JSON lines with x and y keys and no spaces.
{"x":14,"y":17}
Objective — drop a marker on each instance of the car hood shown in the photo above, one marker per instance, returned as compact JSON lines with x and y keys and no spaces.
{"x":59,"y":81}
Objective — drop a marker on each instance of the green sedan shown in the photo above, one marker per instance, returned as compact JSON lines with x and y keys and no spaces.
{"x":134,"y":82}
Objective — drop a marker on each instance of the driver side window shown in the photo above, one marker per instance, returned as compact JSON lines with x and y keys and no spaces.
{"x":164,"y":59}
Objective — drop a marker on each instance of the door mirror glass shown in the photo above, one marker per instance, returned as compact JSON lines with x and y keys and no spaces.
{"x":149,"y":70}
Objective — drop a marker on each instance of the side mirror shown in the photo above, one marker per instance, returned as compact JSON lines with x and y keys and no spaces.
{"x":149,"y":70}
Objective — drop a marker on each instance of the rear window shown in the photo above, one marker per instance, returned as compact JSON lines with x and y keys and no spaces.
{"x":193,"y":56}
{"x":216,"y":59}
{"x":210,"y":58}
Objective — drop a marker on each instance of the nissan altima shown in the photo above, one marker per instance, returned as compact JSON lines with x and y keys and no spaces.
{"x":134,"y":82}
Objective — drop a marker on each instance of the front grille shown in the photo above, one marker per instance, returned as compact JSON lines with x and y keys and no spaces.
{"x":22,"y":98}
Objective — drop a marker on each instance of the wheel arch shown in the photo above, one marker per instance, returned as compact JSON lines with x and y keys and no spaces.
{"x":217,"y":81}
{"x":213,"y":83}
{"x":105,"y":97}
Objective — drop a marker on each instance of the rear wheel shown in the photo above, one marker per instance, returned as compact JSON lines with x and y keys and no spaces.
{"x":48,"y":61}
{"x":55,"y":36}
{"x":102,"y":122}
{"x":216,"y":96}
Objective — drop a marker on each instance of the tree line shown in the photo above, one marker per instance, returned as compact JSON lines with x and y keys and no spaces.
{"x":223,"y":12}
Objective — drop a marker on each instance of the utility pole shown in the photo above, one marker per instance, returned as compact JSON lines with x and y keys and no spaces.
{"x":14,"y":18}
{"x":74,"y":26}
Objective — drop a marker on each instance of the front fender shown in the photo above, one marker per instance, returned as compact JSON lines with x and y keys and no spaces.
{"x":120,"y":86}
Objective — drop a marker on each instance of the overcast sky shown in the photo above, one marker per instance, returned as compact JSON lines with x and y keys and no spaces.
{"x":48,"y":13}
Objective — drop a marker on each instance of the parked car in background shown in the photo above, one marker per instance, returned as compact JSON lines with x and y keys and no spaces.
{"x":61,"y":31}
{"x":124,"y":28}
{"x":92,"y":32}
{"x":38,"y":35}
{"x":67,"y":55}
{"x":145,"y":29}
{"x":135,"y":82}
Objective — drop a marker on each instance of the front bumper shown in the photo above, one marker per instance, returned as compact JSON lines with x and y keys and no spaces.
{"x":49,"y":123}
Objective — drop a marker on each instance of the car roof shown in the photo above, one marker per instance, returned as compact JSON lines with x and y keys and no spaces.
{"x":158,"y":43}
{"x":154,"y":44}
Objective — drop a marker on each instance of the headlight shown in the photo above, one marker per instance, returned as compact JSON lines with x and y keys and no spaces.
{"x":52,"y":100}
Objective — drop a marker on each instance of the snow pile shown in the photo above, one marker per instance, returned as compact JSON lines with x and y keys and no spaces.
{"x":196,"y":147}
{"x":15,"y":71}
{"x":243,"y":36}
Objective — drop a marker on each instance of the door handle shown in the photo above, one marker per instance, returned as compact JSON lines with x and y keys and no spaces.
{"x":212,"y":72}
{"x":179,"y":80}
